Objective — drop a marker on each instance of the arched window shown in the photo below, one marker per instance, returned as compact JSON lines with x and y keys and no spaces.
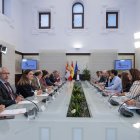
{"x":77,"y":15}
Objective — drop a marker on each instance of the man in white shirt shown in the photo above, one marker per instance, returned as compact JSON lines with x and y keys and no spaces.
{"x":116,"y":83}
{"x":77,"y":76}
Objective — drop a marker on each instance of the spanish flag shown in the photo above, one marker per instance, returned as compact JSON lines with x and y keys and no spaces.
{"x":72,"y":70}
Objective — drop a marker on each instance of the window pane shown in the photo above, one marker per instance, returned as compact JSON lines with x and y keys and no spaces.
{"x":2,"y":6}
{"x":77,"y":134}
{"x":78,"y":8}
{"x":112,"y":20}
{"x":44,"y":20}
{"x":6,"y":7}
{"x":111,"y":134}
{"x":77,"y":20}
{"x":45,"y":133}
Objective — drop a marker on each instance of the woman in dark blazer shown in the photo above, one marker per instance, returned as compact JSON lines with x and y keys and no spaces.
{"x":24,"y":86}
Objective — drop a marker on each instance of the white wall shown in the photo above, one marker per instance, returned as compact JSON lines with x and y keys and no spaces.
{"x":137,"y":29}
{"x":137,"y":11}
{"x":94,"y":36}
{"x":20,"y":29}
{"x":8,"y":61}
{"x":137,"y":52}
{"x":53,"y":60}
{"x":11,"y":26}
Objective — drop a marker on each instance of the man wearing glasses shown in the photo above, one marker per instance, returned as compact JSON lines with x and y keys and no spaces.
{"x":7,"y":95}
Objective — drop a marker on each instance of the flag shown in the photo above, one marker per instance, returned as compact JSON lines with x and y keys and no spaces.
{"x":67,"y":71}
{"x":76,"y":68}
{"x":67,"y":66}
{"x":72,"y":70}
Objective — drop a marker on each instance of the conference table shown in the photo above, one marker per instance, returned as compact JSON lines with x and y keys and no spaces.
{"x":51,"y":122}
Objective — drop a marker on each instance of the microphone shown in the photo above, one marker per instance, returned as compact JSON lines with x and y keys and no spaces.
{"x":124,"y":111}
{"x":111,"y":101}
{"x":33,"y":103}
{"x":34,"y":110}
{"x":50,"y":95}
{"x":104,"y":94}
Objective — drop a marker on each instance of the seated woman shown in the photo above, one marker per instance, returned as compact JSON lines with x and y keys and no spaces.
{"x":44,"y":86}
{"x":2,"y":107}
{"x":135,"y":88}
{"x":98,"y":76}
{"x":25,"y":86}
{"x":108,"y":78}
{"x":126,"y":81}
{"x":36,"y":80}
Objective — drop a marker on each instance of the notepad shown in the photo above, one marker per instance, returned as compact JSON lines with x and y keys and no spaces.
{"x":13,"y":111}
{"x":28,"y":102}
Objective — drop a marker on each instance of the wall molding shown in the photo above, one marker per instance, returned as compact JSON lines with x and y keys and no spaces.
{"x":30,"y":54}
{"x":77,"y":53}
{"x":23,"y":54}
{"x":17,"y":52}
{"x":126,"y":54}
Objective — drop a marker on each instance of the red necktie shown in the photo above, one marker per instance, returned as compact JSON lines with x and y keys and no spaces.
{"x":10,"y":91}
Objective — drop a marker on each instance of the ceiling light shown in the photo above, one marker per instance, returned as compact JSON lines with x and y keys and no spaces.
{"x":137,"y":35}
{"x":77,"y":46}
{"x":137,"y":44}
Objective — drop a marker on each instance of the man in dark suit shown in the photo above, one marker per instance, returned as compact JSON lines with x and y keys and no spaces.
{"x":77,"y":76}
{"x":7,"y":95}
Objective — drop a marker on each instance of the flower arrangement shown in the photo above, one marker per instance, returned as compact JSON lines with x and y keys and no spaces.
{"x":78,"y":105}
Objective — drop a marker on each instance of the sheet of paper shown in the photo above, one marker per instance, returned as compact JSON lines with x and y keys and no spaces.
{"x":13,"y":111}
{"x":118,"y":96}
{"x":28,"y":102}
{"x":51,"y":91}
{"x":43,"y":95}
{"x":132,"y":107}
{"x":114,"y":96}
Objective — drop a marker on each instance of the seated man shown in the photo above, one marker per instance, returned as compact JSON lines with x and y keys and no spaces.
{"x":7,"y":95}
{"x":103,"y":77}
{"x":37,"y":82}
{"x":77,"y":76}
{"x":48,"y":82}
{"x":116,"y":84}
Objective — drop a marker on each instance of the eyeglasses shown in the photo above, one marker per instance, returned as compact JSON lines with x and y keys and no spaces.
{"x":7,"y":73}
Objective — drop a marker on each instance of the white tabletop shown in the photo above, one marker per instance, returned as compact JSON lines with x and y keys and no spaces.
{"x":52,"y":124}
